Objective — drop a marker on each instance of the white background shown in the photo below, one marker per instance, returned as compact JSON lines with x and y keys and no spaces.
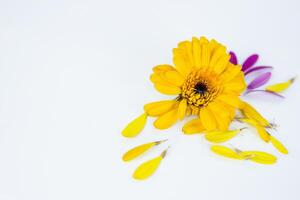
{"x":74,"y":73}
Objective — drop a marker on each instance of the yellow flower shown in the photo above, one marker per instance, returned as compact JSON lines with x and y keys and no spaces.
{"x":207,"y":85}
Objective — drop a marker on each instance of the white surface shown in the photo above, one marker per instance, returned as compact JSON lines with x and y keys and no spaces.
{"x":74,"y":73}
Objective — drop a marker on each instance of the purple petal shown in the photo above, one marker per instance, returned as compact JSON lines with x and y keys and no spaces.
{"x":233,"y":58}
{"x":264,"y":91}
{"x":253,"y":69}
{"x":259,"y":81}
{"x":249,"y":62}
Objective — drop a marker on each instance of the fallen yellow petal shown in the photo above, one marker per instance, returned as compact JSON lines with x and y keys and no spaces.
{"x":137,"y":151}
{"x":259,"y":157}
{"x":135,"y":127}
{"x":226,"y":152}
{"x":252,"y":113}
{"x":280,"y":87}
{"x":147,"y":168}
{"x":278,"y":145}
{"x":263,"y":134}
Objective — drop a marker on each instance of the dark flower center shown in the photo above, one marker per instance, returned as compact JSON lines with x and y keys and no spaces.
{"x":200,"y":88}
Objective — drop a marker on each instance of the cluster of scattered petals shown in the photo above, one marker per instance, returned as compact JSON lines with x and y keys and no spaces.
{"x":205,"y":82}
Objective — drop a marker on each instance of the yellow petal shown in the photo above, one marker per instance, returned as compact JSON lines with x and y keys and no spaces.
{"x":259,"y":157}
{"x":135,"y":127}
{"x":146,"y":169}
{"x":196,"y":52}
{"x":205,"y":55}
{"x":236,"y":85}
{"x":158,"y":108}
{"x":217,"y":54}
{"x":221,"y":114}
{"x":167,"y":89}
{"x":226,"y":152}
{"x":280,"y":87}
{"x":231,"y":72}
{"x":222,"y":63}
{"x":182,"y":58}
{"x":252,"y":113}
{"x":139,"y":150}
{"x":157,"y":79}
{"x":166,"y":120}
{"x":231,"y":100}
{"x":193,"y":126}
{"x":221,"y":136}
{"x":188,"y":111}
{"x":186,"y":46}
{"x":182,"y":109}
{"x":163,"y":68}
{"x":278,"y":145}
{"x":263,"y":134}
{"x":173,"y":77}
{"x":208,"y":119}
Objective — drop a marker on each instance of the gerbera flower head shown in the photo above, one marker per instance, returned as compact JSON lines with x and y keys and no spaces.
{"x":205,"y":81}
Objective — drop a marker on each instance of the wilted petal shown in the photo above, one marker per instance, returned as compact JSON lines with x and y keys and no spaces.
{"x":259,"y":81}
{"x":249,"y":62}
{"x":254,"y":69}
{"x":233,"y":58}
{"x":265,"y":91}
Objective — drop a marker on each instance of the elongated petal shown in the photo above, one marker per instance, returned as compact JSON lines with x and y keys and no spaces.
{"x":146,"y":169}
{"x":205,"y":54}
{"x":259,"y":157}
{"x":280,"y":87}
{"x":135,"y":127}
{"x":167,"y":89}
{"x":166,"y":120}
{"x":249,"y":62}
{"x":163,"y":68}
{"x":137,"y":151}
{"x":158,"y":108}
{"x":231,"y":100}
{"x":263,"y":134}
{"x":193,"y":126}
{"x":264,"y":91}
{"x":221,"y":136}
{"x":173,"y":77}
{"x":278,"y":145}
{"x":252,"y":113}
{"x":231,"y":73}
{"x":259,"y":81}
{"x":233,"y":58}
{"x":226,"y":152}
{"x":182,"y":109}
{"x":196,"y":51}
{"x":258,"y":68}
